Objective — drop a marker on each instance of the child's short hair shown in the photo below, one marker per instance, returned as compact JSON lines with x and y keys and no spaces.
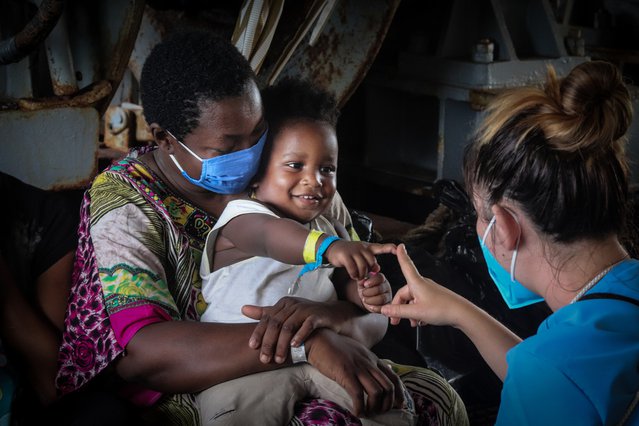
{"x":295,"y":99}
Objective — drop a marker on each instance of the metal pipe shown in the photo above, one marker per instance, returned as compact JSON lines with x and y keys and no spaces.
{"x":60,"y":60}
{"x":37,"y":29}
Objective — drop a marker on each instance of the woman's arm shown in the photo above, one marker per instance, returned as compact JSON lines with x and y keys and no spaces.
{"x":186,"y":357}
{"x":189,"y":356}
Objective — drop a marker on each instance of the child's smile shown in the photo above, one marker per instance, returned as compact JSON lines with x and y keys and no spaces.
{"x":300,"y":178}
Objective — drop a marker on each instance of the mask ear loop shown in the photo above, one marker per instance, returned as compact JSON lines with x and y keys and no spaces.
{"x":513,"y":261}
{"x":172,"y":157}
{"x":185,"y":147}
{"x":490,"y":225}
{"x":514,"y":258}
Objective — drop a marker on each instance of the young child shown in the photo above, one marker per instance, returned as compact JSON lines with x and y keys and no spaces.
{"x":256,"y":252}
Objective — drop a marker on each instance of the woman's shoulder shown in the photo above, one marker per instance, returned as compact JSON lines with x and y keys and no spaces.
{"x":596,"y":331}
{"x":602,"y":307}
{"x":623,"y":280}
{"x":127,"y":184}
{"x":129,"y":178}
{"x":584,"y":360}
{"x":129,"y":168}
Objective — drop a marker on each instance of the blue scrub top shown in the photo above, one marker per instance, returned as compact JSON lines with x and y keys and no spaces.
{"x":582,"y":366}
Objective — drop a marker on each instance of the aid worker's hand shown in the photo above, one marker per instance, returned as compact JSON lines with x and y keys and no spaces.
{"x":421,"y":300}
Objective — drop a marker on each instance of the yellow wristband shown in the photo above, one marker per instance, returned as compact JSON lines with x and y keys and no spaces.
{"x":309,"y":245}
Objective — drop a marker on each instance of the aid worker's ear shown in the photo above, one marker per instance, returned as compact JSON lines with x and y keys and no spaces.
{"x":161,"y":138}
{"x":507,"y":227}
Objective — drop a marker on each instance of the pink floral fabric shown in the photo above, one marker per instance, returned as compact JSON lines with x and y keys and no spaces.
{"x":89,"y":344}
{"x":324,"y":412}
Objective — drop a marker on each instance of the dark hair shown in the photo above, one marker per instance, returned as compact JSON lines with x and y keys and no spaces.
{"x":293,"y":99}
{"x":185,"y":70}
{"x":558,"y":152}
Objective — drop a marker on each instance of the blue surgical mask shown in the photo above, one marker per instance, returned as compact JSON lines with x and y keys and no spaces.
{"x":229,"y":173}
{"x":512,"y":291}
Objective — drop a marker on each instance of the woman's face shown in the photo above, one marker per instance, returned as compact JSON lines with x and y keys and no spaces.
{"x":225,"y":126}
{"x":300,"y":177}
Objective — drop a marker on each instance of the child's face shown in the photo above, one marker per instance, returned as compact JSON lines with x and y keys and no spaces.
{"x":300,"y":176}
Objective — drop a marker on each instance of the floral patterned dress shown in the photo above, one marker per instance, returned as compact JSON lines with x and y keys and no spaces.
{"x":137,"y":263}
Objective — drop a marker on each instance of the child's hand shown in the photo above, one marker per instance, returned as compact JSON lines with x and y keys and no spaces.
{"x":375,"y":292}
{"x":358,"y":258}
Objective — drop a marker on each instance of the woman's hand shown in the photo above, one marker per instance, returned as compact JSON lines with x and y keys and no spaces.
{"x":289,"y":322}
{"x":371,"y":384}
{"x":421,"y":300}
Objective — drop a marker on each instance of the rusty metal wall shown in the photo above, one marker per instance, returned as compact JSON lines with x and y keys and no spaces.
{"x":52,"y":100}
{"x":52,"y":148}
{"x":93,"y":58}
{"x":346,"y":48}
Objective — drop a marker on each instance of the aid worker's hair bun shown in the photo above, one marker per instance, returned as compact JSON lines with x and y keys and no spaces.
{"x":590,"y":109}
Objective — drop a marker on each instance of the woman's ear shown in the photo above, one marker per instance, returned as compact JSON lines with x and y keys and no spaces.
{"x":161,"y":138}
{"x":507,"y":227}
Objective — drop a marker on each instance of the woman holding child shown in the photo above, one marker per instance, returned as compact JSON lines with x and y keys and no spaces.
{"x":136,"y":291}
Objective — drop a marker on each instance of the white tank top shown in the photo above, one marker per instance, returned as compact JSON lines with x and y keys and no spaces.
{"x":258,"y":280}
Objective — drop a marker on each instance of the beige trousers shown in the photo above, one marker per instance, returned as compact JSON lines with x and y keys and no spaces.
{"x":269,"y":398}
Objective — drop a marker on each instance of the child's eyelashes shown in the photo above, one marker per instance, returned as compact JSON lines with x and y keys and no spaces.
{"x":295,"y":165}
{"x":323,"y":169}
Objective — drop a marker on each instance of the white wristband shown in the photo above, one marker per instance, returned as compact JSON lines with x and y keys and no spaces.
{"x":298,"y":354}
